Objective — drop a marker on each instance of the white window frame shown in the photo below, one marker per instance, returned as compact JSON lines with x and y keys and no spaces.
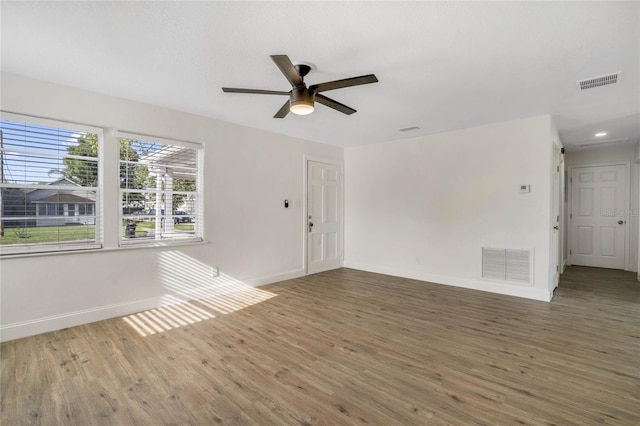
{"x":17,"y":249}
{"x":198,"y":235}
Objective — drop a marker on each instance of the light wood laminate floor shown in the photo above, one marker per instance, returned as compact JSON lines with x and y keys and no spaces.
{"x":344,"y":347}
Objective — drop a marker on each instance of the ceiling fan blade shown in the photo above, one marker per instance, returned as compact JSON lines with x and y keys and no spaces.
{"x":282,"y":112}
{"x":334,"y":104}
{"x":254,"y":91}
{"x":347,"y":82}
{"x":286,"y":67}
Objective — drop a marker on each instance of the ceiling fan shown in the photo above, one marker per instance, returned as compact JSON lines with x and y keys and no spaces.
{"x":302,"y":98}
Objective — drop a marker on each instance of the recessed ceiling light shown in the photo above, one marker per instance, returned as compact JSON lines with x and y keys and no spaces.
{"x":599,"y":135}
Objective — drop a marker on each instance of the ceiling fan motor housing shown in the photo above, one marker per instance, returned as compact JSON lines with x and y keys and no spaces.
{"x":302,"y":100}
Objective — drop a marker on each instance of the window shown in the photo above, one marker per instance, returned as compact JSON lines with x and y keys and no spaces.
{"x":160,"y":190}
{"x":46,"y":168}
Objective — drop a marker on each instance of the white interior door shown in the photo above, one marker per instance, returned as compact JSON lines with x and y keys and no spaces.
{"x":598,"y":216}
{"x":324,"y":214}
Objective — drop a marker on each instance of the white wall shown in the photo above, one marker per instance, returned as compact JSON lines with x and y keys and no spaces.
{"x":423,"y":208}
{"x":251,"y":237}
{"x":620,"y":153}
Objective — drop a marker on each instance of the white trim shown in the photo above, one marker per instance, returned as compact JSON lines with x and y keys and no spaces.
{"x":563,"y":214}
{"x":72,"y":319}
{"x":556,"y":170}
{"x":14,"y":250}
{"x":627,"y":204}
{"x":49,"y":122}
{"x":200,"y":186}
{"x":160,"y":245}
{"x":142,"y":242}
{"x":270,"y":279}
{"x":305,"y":202}
{"x":472,"y":284}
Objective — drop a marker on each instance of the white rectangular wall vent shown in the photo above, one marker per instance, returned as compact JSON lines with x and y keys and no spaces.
{"x":602,"y":80}
{"x":511,"y":265}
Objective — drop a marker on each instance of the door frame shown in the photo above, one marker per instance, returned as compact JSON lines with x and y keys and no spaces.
{"x":305,"y":203}
{"x":556,"y":217}
{"x":627,"y":206}
{"x":564,"y":195}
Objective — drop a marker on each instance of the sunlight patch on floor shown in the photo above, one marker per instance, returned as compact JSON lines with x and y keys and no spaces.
{"x":195,"y":294}
{"x":172,"y":314}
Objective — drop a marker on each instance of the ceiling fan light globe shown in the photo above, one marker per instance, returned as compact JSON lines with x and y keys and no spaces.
{"x":301,"y":107}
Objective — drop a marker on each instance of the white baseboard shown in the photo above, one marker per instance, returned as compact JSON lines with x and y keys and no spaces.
{"x":489,"y":286}
{"x":270,"y":279}
{"x":72,"y":319}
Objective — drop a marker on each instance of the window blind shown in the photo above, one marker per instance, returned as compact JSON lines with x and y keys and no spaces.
{"x":160,"y":190}
{"x":49,"y":185}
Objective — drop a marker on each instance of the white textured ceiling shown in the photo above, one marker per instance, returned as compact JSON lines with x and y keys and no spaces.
{"x":442,"y":66}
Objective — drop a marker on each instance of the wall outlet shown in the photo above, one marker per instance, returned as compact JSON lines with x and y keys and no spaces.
{"x":525,"y":189}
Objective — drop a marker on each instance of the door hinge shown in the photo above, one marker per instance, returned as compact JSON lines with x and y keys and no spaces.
{"x":558,"y":169}
{"x":557,"y":268}
{"x":570,"y":251}
{"x":570,"y":215}
{"x":571,"y":180}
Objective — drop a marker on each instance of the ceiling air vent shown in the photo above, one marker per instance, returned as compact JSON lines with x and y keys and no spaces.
{"x":604,"y":143}
{"x":603,"y":80}
{"x":409,"y":129}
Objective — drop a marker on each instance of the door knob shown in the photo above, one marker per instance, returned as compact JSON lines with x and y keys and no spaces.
{"x":620,"y":222}
{"x":556,"y":227}
{"x":310,"y":226}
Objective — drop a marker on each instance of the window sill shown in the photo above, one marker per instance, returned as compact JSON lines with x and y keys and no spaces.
{"x":160,"y":246}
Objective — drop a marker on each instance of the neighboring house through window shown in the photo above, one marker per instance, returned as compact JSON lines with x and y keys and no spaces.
{"x":49,"y":185}
{"x":53,"y":208}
